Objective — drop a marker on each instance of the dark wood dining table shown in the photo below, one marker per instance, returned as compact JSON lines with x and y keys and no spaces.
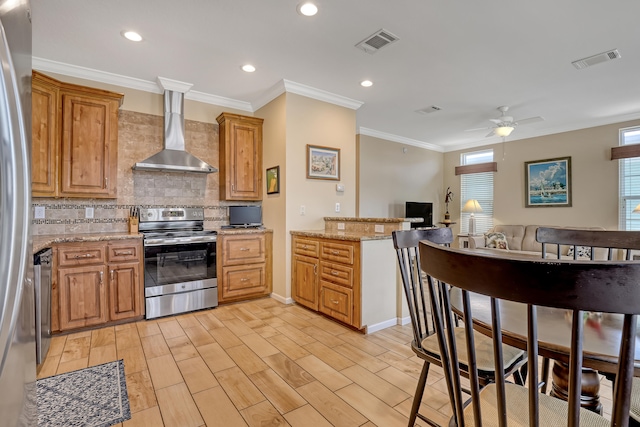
{"x":601,"y":340}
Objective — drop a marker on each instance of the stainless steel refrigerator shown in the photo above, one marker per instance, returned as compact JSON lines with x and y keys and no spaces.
{"x":17,"y":317}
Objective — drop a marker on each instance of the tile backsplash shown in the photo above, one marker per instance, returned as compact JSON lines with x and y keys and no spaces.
{"x":140,"y":136}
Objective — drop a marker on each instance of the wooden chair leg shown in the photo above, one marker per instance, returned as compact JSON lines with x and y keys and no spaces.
{"x":422,"y":382}
{"x":545,"y":375}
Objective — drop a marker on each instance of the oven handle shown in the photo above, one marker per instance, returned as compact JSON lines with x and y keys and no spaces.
{"x":154,"y":242}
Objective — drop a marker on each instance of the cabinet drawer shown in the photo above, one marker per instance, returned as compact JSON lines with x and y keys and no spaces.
{"x":243,"y":249}
{"x":336,"y":301}
{"x":124,"y":251}
{"x":306,"y":247}
{"x":240,"y":281}
{"x":336,"y":273}
{"x":85,"y":254}
{"x":338,"y":252}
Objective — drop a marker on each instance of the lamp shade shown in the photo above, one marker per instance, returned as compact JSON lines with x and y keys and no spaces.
{"x":503,"y":130}
{"x":472,"y":206}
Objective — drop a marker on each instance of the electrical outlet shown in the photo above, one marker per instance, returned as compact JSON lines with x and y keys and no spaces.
{"x":302,"y":210}
{"x":341,"y":226}
{"x":39,"y":212}
{"x":88,"y":212}
{"x":379,"y":228}
{"x":337,"y":207}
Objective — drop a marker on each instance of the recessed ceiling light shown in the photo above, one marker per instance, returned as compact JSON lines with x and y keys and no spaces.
{"x":248,"y":68}
{"x":307,"y":9}
{"x":366,"y":83}
{"x":132,"y":35}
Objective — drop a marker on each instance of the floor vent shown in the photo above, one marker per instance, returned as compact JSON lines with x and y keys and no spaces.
{"x":377,"y":41}
{"x":596,"y":59}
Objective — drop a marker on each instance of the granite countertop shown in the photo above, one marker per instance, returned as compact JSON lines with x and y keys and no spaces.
{"x":341,"y":235}
{"x":45,"y":241}
{"x":378,"y":220}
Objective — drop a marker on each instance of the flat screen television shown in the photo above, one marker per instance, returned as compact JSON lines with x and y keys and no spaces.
{"x":420,"y":210}
{"x":245,"y":216}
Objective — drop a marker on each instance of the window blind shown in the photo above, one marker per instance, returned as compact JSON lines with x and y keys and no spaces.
{"x":478,"y":186}
{"x":629,"y":183}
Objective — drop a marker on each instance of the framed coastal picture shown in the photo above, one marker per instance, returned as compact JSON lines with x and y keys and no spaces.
{"x":548,"y":183}
{"x":273,"y":180}
{"x":323,"y":162}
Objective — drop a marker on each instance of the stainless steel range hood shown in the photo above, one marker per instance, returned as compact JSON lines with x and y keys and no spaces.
{"x":174,"y":158}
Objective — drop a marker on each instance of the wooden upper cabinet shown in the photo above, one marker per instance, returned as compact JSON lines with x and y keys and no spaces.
{"x":44,"y":131}
{"x":240,"y":157}
{"x":75,"y":140}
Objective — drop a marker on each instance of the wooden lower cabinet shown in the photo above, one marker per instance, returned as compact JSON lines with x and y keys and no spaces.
{"x":305,"y":281}
{"x":125,"y":299}
{"x":83,"y":296}
{"x":96,"y":283}
{"x":244,"y":265}
{"x":326,"y":277}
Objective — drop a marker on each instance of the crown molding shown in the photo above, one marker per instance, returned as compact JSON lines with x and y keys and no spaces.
{"x":321,"y":95}
{"x":269,"y":95}
{"x":399,"y":139}
{"x":132,"y":83}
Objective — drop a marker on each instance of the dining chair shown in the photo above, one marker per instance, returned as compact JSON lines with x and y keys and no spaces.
{"x":425,"y":343}
{"x":572,"y":285}
{"x":596,"y":244}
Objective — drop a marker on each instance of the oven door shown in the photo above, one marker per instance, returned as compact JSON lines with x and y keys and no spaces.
{"x":174,"y":268}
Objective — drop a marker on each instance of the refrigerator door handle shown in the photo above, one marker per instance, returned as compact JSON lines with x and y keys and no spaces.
{"x":15,"y":199}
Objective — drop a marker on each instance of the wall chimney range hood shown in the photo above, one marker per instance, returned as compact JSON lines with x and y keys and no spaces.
{"x":174,"y":158}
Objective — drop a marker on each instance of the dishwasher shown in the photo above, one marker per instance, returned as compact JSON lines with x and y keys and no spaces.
{"x":42,"y":279}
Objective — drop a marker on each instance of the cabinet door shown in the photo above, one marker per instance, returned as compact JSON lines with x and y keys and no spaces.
{"x":83,"y":298}
{"x":336,"y":301}
{"x":243,"y":281}
{"x":89,"y":146}
{"x":44,"y":149}
{"x":240,"y":157}
{"x":125,"y":300}
{"x":305,"y":281}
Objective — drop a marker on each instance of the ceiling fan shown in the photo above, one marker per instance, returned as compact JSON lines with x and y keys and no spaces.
{"x":504,"y":124}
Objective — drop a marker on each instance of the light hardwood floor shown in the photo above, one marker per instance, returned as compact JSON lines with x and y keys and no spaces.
{"x":258,"y":363}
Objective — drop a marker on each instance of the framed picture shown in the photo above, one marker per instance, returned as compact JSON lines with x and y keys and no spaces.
{"x":548,"y":183}
{"x":273,"y":180}
{"x":323,"y":162}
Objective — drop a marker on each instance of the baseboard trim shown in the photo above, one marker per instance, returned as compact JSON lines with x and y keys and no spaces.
{"x":281,"y":298}
{"x":404,"y":321}
{"x":382,"y":325}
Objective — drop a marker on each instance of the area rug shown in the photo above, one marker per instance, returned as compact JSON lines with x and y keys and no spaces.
{"x":91,"y":397}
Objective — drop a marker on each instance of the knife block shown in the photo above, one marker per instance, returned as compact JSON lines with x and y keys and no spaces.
{"x":133,"y":225}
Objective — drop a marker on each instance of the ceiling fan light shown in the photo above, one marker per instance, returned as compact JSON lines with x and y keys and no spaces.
{"x":504,"y":130}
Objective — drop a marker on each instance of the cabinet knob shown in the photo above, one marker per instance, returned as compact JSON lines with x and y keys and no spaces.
{"x":244,"y":279}
{"x":87,"y":255}
{"x":101,"y":277}
{"x":123,"y":252}
{"x":245,"y":249}
{"x":112,"y":272}
{"x":335,"y":252}
{"x":334,"y":273}
{"x":334,"y":301}
{"x":304,"y":246}
{"x":315,"y":269}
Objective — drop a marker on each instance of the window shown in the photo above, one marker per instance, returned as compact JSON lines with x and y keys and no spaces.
{"x":478,"y":186}
{"x":629,"y":186}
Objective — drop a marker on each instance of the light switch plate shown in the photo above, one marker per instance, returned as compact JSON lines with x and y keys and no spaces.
{"x":379,"y":228}
{"x":341,"y":226}
{"x":340,"y":188}
{"x":39,"y":212}
{"x":303,"y":210}
{"x":88,"y":212}
{"x":337,"y":207}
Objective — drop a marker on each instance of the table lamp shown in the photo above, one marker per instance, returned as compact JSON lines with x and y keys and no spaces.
{"x":472,"y":206}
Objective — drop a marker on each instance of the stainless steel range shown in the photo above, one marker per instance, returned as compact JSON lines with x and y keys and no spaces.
{"x":179,"y":261}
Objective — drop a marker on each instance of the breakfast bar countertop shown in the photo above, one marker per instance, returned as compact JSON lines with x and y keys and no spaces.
{"x":341,"y":235}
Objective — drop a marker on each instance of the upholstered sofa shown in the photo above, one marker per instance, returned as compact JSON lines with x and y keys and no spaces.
{"x":522,"y":238}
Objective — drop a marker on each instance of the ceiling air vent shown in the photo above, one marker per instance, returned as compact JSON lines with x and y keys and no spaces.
{"x":377,"y":41}
{"x":596,"y":59}
{"x":429,"y":110}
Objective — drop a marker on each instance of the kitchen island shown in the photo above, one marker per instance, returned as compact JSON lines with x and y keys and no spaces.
{"x":348,"y":271}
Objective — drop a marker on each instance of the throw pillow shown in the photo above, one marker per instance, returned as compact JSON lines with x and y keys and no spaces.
{"x":583,"y":252}
{"x":496,"y":240}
